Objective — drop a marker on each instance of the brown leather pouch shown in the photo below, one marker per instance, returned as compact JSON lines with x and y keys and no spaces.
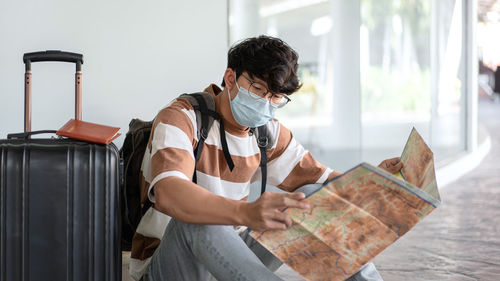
{"x":91,"y":132}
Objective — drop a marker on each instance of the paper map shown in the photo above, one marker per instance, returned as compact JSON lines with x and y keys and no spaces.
{"x":356,"y":216}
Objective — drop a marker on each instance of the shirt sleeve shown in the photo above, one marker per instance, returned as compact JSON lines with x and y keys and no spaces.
{"x":290,"y":166}
{"x":170,"y":148}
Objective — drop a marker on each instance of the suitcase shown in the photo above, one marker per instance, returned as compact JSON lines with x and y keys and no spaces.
{"x":59,"y":200}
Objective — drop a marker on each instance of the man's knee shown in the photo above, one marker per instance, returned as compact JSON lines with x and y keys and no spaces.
{"x":199,"y":232}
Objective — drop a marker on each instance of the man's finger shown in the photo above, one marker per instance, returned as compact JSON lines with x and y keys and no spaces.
{"x":293,"y":203}
{"x":283,"y":218}
{"x":399,"y":166}
{"x":296,"y":195}
{"x":288,"y":200}
{"x":395,"y":168}
{"x":394,"y":160}
{"x":273,"y":224}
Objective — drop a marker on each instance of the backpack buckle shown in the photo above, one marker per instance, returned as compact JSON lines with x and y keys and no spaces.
{"x":262,"y":142}
{"x":203,"y":133}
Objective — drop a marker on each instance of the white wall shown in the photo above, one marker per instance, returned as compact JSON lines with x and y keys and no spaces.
{"x":138,"y":55}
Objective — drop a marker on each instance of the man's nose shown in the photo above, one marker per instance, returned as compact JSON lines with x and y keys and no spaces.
{"x":268,"y":96}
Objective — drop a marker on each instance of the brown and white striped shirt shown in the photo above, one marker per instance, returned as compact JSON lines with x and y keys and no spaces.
{"x":170,"y":154}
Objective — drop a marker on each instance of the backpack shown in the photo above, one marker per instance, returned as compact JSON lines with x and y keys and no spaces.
{"x":136,"y":142}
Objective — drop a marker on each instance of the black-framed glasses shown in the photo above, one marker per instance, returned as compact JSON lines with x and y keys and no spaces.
{"x":261,"y":91}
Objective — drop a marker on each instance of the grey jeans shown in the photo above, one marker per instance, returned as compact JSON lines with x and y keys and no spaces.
{"x":196,"y":252}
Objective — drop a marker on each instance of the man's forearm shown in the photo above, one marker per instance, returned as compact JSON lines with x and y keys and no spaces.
{"x":188,"y":202}
{"x":333,"y":174}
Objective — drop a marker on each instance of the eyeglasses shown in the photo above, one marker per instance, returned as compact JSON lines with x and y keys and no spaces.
{"x":277,"y":100}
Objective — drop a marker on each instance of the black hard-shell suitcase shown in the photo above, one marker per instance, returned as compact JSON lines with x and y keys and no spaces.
{"x":59,"y":201}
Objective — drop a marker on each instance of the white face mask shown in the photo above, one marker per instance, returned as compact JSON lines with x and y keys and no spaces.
{"x":251,"y":111}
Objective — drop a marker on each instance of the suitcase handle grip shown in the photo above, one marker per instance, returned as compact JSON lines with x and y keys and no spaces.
{"x":26,"y":135}
{"x":53,"y":55}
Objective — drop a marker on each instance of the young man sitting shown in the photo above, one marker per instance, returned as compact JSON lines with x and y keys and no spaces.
{"x":190,"y":232}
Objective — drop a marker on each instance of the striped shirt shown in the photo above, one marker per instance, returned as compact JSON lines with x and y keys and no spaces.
{"x":170,"y":154}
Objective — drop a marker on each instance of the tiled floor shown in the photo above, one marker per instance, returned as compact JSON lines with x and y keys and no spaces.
{"x":461,"y":239}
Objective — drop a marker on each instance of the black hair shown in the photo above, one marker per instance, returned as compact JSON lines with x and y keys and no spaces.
{"x":267,"y":58}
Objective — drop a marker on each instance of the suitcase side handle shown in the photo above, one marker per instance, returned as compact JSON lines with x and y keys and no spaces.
{"x":51,"y":55}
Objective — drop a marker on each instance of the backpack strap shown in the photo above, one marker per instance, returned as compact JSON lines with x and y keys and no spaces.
{"x":265,"y":142}
{"x":204,"y":106}
{"x":225,"y":150}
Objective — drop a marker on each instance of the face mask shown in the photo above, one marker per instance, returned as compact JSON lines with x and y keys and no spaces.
{"x":251,"y":110}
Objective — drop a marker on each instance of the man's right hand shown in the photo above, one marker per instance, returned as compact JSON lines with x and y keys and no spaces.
{"x":265,"y":213}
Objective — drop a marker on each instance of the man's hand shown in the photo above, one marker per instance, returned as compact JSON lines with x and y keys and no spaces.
{"x":265,"y":212}
{"x":392,"y":165}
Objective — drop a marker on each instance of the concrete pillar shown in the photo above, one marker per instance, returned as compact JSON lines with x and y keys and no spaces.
{"x":345,"y":36}
{"x":471,"y":61}
{"x":244,"y":19}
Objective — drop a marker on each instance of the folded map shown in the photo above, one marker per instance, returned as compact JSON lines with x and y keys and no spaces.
{"x":355,"y":216}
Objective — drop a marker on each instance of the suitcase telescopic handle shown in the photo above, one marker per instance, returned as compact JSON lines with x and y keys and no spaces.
{"x":51,"y":55}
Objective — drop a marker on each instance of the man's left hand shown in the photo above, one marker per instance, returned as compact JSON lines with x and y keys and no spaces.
{"x":392,"y":165}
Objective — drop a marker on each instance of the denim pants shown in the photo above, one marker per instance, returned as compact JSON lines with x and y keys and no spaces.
{"x":197,"y":252}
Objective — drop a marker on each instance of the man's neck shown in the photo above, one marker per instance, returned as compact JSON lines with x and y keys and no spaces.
{"x":223,"y":107}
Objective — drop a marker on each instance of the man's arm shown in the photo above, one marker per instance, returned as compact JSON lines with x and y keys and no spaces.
{"x":333,"y":174}
{"x":391,"y":165}
{"x":191,"y":203}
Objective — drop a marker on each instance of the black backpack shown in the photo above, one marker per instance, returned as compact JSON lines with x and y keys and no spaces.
{"x":135,"y":144}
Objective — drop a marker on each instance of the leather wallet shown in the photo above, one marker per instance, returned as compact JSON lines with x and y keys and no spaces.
{"x":90,"y":132}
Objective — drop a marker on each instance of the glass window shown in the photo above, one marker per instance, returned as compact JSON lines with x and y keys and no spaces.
{"x":395,"y":67}
{"x":406,"y":71}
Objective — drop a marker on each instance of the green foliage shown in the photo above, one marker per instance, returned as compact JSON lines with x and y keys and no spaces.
{"x":395,"y":91}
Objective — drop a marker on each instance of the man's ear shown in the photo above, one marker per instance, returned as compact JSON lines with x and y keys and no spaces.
{"x":229,"y":78}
